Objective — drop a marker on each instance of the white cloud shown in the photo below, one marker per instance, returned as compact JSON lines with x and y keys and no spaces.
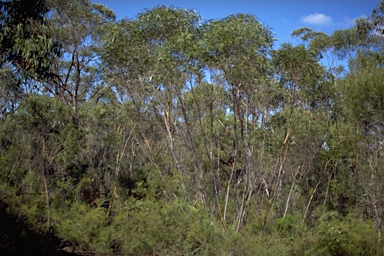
{"x":319,"y":19}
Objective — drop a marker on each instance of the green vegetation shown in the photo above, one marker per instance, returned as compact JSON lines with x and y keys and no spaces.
{"x":148,"y":136}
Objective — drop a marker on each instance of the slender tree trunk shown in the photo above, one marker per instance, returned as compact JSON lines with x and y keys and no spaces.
{"x":199,"y":173}
{"x":46,"y":190}
{"x":228,"y":188}
{"x":236,"y":144}
{"x":309,"y":201}
{"x":290,"y":191}
{"x":119,"y":158}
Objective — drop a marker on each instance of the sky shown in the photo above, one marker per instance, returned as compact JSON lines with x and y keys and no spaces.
{"x":282,"y":16}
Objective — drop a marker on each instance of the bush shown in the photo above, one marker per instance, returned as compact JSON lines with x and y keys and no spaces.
{"x":288,"y":226}
{"x":80,"y":226}
{"x":348,"y":235}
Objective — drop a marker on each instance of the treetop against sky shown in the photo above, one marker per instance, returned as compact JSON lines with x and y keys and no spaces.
{"x":282,"y":16}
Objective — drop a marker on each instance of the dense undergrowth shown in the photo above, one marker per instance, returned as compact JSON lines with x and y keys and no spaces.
{"x":147,"y":136}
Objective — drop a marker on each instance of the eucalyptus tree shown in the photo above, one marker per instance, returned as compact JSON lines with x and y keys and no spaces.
{"x":175,"y":72}
{"x":235,"y":49}
{"x":361,"y":133}
{"x":77,"y":27}
{"x":345,"y":44}
{"x":370,"y":29}
{"x":148,"y":124}
{"x":54,"y":45}
{"x":302,"y":122}
{"x":353,"y":139}
{"x":27,"y":50}
{"x":24,"y":43}
{"x":149,"y":66}
{"x":10,"y":91}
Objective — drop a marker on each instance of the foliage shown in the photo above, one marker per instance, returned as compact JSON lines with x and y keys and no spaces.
{"x":23,"y":39}
{"x":148,"y":136}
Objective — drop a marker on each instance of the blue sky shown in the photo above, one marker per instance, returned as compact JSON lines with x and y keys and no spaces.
{"x":283,"y":16}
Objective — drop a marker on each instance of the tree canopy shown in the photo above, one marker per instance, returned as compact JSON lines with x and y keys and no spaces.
{"x":168,"y":134}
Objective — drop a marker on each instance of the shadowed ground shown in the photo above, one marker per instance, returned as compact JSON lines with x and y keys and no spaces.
{"x":17,"y":239}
